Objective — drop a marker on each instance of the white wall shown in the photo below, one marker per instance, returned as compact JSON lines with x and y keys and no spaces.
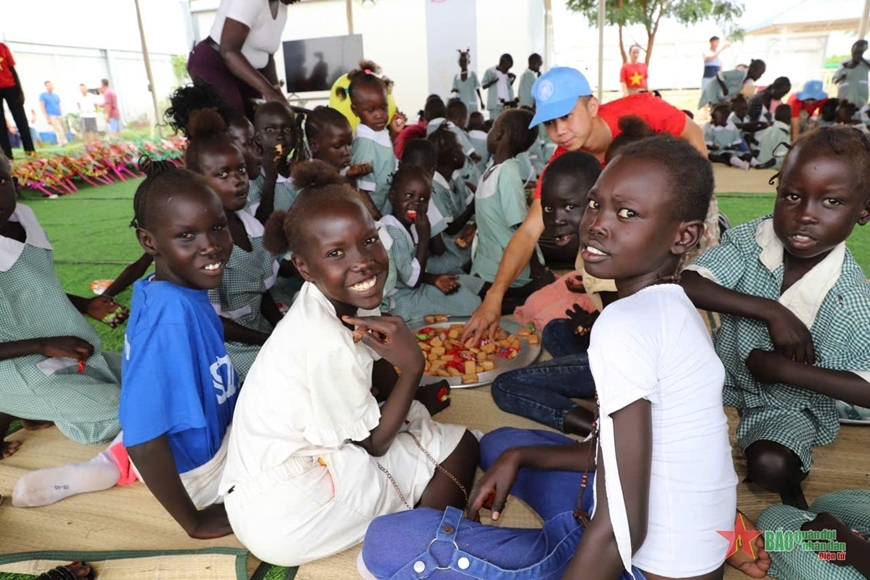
{"x":451,"y":26}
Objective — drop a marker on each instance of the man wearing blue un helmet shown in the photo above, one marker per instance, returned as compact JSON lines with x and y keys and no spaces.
{"x":575,"y":121}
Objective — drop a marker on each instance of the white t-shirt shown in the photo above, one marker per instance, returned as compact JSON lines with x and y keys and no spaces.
{"x":87,"y":104}
{"x":653,"y":345}
{"x":502,"y":85}
{"x":264,"y":37}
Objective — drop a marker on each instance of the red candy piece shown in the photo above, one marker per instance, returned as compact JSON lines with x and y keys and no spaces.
{"x":443,"y":394}
{"x":81,"y":367}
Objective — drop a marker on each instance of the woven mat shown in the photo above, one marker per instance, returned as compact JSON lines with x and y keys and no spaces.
{"x":213,"y":564}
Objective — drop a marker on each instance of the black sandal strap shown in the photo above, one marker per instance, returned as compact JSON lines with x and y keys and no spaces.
{"x":65,"y":573}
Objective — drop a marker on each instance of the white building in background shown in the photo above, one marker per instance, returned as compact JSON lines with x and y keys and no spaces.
{"x":83,"y":41}
{"x":415,"y":41}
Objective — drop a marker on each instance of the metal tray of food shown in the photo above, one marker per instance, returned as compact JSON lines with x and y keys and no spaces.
{"x":527,"y":355}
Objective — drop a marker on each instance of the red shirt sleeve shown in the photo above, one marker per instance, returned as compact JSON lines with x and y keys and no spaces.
{"x":556,"y":154}
{"x":661,"y":116}
{"x":623,"y":74}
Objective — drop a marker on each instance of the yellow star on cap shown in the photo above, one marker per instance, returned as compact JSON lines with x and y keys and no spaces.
{"x":636,"y":79}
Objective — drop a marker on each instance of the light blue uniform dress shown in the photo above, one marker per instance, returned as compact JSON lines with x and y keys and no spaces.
{"x":770,"y":143}
{"x":285,"y":193}
{"x":853,"y":87}
{"x":453,"y":197}
{"x":478,"y":140}
{"x":493,"y":102}
{"x":499,"y":208}
{"x":376,"y":148}
{"x":467,"y":90}
{"x":414,"y":303}
{"x":33,"y":304}
{"x":713,"y":94}
{"x":527,"y":80}
{"x":239,"y":297}
{"x":727,"y":138}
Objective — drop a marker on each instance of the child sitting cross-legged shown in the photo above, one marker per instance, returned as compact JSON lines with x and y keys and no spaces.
{"x":179,"y":385}
{"x":313,"y":458}
{"x":419,"y":292}
{"x":795,"y":309}
{"x":657,"y":475}
{"x":724,"y":141}
{"x":773,"y":141}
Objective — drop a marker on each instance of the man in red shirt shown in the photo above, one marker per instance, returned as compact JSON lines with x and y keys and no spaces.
{"x":804,"y":104}
{"x":633,"y":75}
{"x":575,"y":121}
{"x":10,"y":91}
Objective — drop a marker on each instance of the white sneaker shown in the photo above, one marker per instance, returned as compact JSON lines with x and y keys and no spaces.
{"x":52,"y":196}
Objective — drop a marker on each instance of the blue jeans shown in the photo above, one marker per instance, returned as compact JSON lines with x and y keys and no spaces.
{"x":543,"y":392}
{"x":426,"y":543}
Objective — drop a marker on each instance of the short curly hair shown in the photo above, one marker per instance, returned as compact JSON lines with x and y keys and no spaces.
{"x":515,"y":123}
{"x":163,"y":180}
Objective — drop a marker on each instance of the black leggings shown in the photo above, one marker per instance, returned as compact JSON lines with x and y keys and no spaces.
{"x":12,"y":95}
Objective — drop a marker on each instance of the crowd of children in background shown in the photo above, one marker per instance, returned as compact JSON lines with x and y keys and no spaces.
{"x":292,"y":250}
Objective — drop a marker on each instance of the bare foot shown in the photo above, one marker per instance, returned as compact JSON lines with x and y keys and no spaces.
{"x":7,"y":448}
{"x":35,"y":425}
{"x":758,"y":567}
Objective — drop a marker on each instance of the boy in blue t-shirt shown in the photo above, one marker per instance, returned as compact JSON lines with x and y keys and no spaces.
{"x":179,"y":387}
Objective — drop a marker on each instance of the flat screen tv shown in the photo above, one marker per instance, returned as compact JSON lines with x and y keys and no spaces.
{"x":314,"y":64}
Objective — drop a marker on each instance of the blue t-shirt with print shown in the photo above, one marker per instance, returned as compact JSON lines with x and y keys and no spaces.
{"x":176,"y":376}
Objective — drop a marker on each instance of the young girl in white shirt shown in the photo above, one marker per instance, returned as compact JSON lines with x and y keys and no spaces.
{"x":659,"y":462}
{"x":313,"y":458}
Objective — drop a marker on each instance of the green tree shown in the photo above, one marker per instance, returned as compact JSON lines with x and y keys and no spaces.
{"x":649,"y":14}
{"x":179,"y":68}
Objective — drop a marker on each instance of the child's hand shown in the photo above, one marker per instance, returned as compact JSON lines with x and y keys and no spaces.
{"x":581,"y":320}
{"x":447,"y":283}
{"x":475,"y":156}
{"x":496,"y":485}
{"x":424,"y":227}
{"x":575,"y":284}
{"x":213,"y":523}
{"x":790,"y":336}
{"x":766,"y":365}
{"x":389,"y":337}
{"x":512,"y":77}
{"x":67,"y":347}
{"x":466,"y":237}
{"x":397,"y":123}
{"x":359,"y":169}
{"x":435,"y":396}
{"x":107,"y":311}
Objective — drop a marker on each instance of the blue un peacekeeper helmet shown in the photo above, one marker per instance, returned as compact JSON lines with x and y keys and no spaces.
{"x":556,"y":92}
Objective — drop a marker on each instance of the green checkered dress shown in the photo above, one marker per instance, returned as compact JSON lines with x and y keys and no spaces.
{"x":414,"y":303}
{"x":84,"y":406}
{"x":246,"y":277}
{"x":796,"y":418}
{"x":853,"y":507}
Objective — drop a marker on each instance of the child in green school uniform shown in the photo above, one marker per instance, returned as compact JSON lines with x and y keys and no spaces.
{"x":417,"y":292}
{"x":52,"y":365}
{"x":500,"y":202}
{"x":276,"y":134}
{"x":372,"y":143}
{"x":724,"y":141}
{"x":465,"y":84}
{"x":851,"y":77}
{"x":242,"y":299}
{"x":498,"y":82}
{"x":527,"y":80}
{"x":773,"y":141}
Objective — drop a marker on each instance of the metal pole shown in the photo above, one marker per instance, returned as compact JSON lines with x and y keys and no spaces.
{"x":862,"y":30}
{"x":349,"y":8}
{"x":550,"y":41}
{"x":601,"y":4}
{"x":151,"y":87}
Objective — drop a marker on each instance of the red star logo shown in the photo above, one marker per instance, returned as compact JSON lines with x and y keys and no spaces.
{"x":740,"y":538}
